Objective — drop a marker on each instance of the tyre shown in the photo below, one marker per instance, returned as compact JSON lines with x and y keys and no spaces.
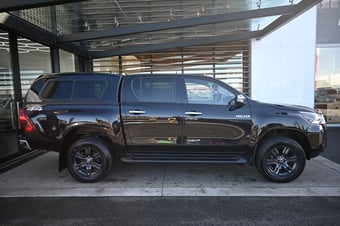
{"x":89,"y":160}
{"x":280,"y":159}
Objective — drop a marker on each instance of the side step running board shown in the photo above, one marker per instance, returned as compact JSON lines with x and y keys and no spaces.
{"x":185,"y":158}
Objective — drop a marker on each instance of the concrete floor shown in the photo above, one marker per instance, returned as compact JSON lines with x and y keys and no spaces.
{"x":40,"y":178}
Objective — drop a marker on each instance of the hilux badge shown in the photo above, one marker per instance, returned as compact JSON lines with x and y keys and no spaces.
{"x":242,"y":116}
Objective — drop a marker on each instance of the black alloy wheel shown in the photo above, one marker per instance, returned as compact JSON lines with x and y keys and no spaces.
{"x":280,"y":159}
{"x":89,"y":160}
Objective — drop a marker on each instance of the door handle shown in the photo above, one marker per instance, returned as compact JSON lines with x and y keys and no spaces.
{"x":137,"y":112}
{"x":193,"y":113}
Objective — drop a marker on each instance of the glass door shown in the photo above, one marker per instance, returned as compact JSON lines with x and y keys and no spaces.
{"x":8,"y":113}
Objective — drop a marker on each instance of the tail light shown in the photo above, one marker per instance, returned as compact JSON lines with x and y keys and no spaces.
{"x":24,"y":123}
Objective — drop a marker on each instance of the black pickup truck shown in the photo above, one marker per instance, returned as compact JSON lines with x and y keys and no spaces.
{"x":91,"y":118}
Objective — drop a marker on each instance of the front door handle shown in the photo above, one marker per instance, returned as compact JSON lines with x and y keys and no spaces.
{"x":137,"y":112}
{"x":193,"y":113}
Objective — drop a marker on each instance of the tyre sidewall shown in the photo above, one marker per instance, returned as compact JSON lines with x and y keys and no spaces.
{"x":105,"y":156}
{"x":268,"y":145}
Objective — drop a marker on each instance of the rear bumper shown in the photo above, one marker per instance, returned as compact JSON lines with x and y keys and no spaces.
{"x":24,"y":145}
{"x":34,"y":142}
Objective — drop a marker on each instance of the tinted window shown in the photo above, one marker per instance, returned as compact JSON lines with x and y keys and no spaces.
{"x":33,"y":93}
{"x":207,"y":92}
{"x":38,"y":85}
{"x":75,"y":90}
{"x":60,"y":90}
{"x":156,"y":89}
{"x":88,"y":89}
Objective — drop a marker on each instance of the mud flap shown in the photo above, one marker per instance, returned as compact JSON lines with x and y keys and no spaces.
{"x":62,"y":161}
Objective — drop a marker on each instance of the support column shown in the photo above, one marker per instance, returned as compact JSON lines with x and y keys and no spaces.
{"x":83,"y":64}
{"x":120,"y":64}
{"x":15,"y":66}
{"x":79,"y":63}
{"x":55,"y":60}
{"x":246,"y":70}
{"x":88,"y":64}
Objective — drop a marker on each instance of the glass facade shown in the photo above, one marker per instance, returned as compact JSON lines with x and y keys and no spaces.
{"x":8,"y":119}
{"x":6,"y":85}
{"x":34,"y":60}
{"x":66,"y":60}
{"x":6,"y":82}
{"x":228,"y":62}
{"x":327,"y":82}
{"x":327,"y":76}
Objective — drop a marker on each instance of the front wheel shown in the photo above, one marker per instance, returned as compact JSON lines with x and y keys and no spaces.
{"x":280,"y":159}
{"x":89,"y":160}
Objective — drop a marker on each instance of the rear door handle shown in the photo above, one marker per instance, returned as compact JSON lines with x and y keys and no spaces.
{"x":137,"y":112}
{"x":193,"y":113}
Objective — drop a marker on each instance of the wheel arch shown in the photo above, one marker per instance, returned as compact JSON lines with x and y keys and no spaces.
{"x":296,"y":135}
{"x":78,"y":133}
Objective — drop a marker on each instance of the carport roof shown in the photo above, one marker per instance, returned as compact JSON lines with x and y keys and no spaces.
{"x":103,"y":28}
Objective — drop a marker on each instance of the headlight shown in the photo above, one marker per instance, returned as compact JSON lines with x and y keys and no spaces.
{"x":314,"y":118}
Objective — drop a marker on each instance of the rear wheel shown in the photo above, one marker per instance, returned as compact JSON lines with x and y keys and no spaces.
{"x":280,"y":159}
{"x":89,"y":160}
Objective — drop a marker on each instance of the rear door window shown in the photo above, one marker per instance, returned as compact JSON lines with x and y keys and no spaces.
{"x":159,"y":89}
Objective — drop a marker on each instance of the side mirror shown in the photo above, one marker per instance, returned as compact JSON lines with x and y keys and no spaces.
{"x":237,"y":102}
{"x":240,"y":100}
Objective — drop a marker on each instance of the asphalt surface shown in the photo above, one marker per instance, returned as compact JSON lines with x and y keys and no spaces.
{"x":169,"y":194}
{"x":171,"y":211}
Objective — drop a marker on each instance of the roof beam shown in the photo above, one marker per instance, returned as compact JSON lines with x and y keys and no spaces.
{"x":300,"y":8}
{"x":25,"y":29}
{"x":14,"y":5}
{"x":147,"y":48}
{"x":176,"y":24}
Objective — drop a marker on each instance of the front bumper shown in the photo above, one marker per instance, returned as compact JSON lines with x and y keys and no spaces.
{"x":318,"y":140}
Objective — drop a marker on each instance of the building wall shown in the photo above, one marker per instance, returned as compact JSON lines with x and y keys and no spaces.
{"x":283,"y":63}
